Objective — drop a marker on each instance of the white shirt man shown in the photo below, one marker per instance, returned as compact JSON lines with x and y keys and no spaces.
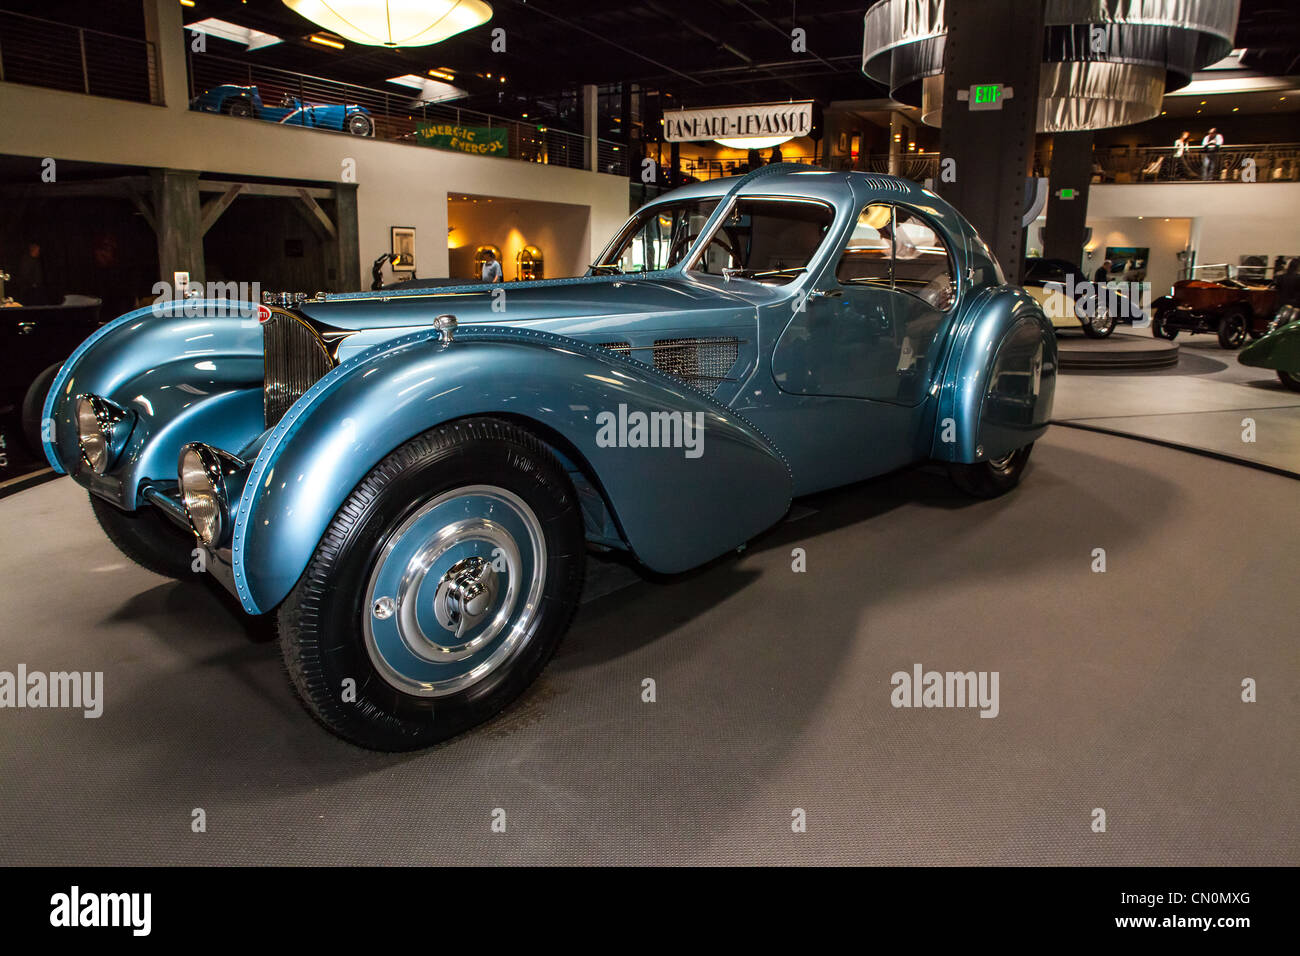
{"x":491,"y":270}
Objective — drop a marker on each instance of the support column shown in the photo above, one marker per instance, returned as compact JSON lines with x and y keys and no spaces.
{"x":1067,"y":219}
{"x":993,"y":148}
{"x":163,"y":27}
{"x":178,"y":223}
{"x":346,"y":258}
{"x":896,"y":130}
{"x":591,"y":126}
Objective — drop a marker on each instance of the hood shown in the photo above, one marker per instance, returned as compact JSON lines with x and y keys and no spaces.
{"x":593,"y":304}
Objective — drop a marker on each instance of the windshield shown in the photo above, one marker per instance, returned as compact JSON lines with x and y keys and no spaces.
{"x":659,"y":237}
{"x":769,"y":240}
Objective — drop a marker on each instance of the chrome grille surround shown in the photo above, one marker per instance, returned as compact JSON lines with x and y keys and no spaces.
{"x":294,"y":359}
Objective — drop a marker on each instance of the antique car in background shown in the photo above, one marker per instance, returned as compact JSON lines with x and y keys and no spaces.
{"x":408,"y":480}
{"x":292,"y":111}
{"x":1278,"y":349}
{"x":35,"y":340}
{"x":1228,"y":308}
{"x":1057,"y":280}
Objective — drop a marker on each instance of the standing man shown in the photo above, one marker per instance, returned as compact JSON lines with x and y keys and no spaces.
{"x":1210,"y":147}
{"x":491,"y":268}
{"x":29,"y":278}
{"x":1102,"y":273}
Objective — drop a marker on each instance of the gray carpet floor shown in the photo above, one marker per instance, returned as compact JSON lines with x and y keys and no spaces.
{"x":1118,"y":690}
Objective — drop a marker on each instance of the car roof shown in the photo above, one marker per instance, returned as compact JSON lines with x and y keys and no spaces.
{"x":794,"y":179}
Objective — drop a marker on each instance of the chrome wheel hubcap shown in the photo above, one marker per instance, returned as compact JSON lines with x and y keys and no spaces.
{"x":455,"y":592}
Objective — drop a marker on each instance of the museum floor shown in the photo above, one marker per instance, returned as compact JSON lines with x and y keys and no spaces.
{"x":1118,"y":690}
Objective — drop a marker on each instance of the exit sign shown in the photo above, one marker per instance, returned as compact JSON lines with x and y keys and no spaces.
{"x":1067,"y":193}
{"x":985,"y":96}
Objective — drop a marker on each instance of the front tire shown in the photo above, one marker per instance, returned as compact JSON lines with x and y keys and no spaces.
{"x":359,"y":124}
{"x":1100,"y":325}
{"x":34,"y":406}
{"x":1160,"y":330}
{"x":147,"y":538}
{"x":440,"y":590}
{"x":238,"y":107}
{"x":991,"y":477}
{"x":1290,"y":380}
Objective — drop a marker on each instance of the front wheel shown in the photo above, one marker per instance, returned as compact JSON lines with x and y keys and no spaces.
{"x":1232,"y":330}
{"x":359,"y":124}
{"x":1100,"y":324}
{"x":1160,"y":330}
{"x":993,"y":476}
{"x":147,"y":538}
{"x":1289,"y":379}
{"x":440,"y":590}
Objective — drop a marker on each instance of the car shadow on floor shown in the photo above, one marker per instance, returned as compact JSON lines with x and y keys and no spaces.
{"x":227,"y":696}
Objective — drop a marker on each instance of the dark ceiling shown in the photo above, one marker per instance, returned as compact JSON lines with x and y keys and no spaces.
{"x":703,"y":52}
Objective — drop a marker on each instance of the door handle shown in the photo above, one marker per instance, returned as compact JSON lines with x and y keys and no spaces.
{"x":826,"y":294}
{"x":26,"y":328}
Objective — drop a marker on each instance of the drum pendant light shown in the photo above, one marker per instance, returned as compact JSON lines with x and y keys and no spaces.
{"x":394,"y":23}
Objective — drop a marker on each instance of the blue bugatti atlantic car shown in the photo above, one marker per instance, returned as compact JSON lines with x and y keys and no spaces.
{"x":408,"y":481}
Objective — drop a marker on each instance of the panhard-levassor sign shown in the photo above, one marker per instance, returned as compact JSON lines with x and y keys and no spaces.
{"x":764,"y":119}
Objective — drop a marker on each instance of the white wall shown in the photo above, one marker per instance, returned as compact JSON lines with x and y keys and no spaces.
{"x":1228,"y":220}
{"x":398,"y":184}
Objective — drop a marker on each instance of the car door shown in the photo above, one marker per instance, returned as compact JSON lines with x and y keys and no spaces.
{"x":870,"y":333}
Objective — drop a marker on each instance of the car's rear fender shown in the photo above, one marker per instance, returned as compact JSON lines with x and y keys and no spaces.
{"x":187,"y":371}
{"x":676,"y":507}
{"x":999,"y":380}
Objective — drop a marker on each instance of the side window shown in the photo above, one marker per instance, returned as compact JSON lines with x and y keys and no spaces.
{"x":922,"y":265}
{"x":868,"y":255}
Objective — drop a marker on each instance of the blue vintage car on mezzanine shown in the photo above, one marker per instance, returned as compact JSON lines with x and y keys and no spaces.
{"x":292,"y":111}
{"x":408,"y":480}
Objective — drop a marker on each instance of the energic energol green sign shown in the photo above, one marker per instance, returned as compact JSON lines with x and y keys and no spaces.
{"x":479,"y":140}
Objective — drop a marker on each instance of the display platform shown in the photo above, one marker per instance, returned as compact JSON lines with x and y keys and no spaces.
{"x":1119,"y":351}
{"x":772,"y":693}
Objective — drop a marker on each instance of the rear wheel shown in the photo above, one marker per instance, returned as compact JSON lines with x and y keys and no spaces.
{"x":993,"y":476}
{"x":1232,"y":329}
{"x":440,"y":590}
{"x":1100,"y":324}
{"x":147,"y":538}
{"x":1290,"y":380}
{"x":238,"y":107}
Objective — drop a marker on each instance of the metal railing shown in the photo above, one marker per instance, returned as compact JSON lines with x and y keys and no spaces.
{"x":1266,"y":162}
{"x":57,"y":56}
{"x":717,"y":168}
{"x":397,"y":114}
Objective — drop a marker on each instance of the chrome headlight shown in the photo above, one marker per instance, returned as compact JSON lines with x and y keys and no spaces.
{"x":203,"y":472}
{"x":102,"y":429}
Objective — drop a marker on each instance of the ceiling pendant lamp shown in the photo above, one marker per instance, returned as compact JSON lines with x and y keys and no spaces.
{"x":394,"y":23}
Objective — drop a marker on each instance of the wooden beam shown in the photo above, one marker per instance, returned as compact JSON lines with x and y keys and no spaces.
{"x":212,"y":209}
{"x":265,"y":189}
{"x":317,"y":217}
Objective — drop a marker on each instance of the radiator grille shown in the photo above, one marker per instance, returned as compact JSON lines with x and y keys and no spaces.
{"x":703,"y":363}
{"x":294,"y":359}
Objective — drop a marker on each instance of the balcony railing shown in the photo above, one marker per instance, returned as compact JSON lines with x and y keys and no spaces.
{"x":60,"y":57}
{"x":1266,"y":162}
{"x":398,"y":113}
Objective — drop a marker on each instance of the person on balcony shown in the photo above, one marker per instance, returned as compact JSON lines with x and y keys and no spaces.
{"x":1210,"y":146}
{"x":1181,"y":145}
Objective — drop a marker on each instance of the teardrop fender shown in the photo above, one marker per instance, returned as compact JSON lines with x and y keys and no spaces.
{"x":999,"y":380}
{"x":685,"y":478}
{"x":212,"y":347}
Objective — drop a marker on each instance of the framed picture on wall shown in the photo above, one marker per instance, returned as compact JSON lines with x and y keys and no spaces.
{"x":403,"y":242}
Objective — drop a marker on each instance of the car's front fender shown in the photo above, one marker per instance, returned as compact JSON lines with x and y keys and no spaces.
{"x":188,"y":370}
{"x":999,"y":381}
{"x":676,"y":509}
